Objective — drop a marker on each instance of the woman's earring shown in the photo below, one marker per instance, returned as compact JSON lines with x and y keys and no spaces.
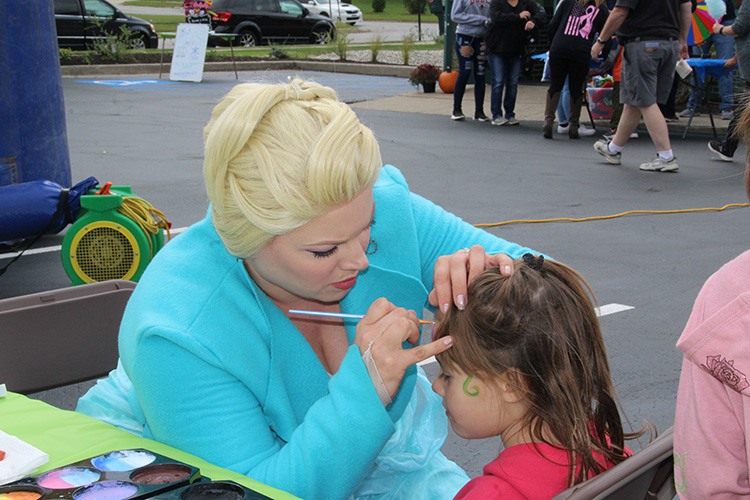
{"x":372,"y":247}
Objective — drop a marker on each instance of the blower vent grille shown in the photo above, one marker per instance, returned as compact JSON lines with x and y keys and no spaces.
{"x":103,"y":251}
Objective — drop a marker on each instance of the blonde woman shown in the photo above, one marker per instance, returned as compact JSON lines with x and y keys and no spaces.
{"x":302,"y":216}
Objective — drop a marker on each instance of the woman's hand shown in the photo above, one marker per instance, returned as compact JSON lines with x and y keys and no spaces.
{"x":382,"y":332}
{"x":453,"y":273}
{"x":731,"y":62}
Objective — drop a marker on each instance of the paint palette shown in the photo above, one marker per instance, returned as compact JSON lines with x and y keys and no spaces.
{"x":132,"y":474}
{"x":206,"y":490}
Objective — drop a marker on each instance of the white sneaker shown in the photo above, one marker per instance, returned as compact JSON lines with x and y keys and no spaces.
{"x":564,"y":130}
{"x":512,"y":121}
{"x":658,"y":164}
{"x":499,"y":121}
{"x":602,"y":147}
{"x":585,"y":131}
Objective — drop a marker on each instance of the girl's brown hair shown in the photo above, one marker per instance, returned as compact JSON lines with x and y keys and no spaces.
{"x":541,"y":324}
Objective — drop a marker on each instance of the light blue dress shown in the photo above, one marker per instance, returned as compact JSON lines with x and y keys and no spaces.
{"x":219,"y":371}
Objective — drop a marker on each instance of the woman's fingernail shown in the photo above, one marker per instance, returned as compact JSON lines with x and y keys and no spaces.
{"x":461,"y":302}
{"x":447,"y":340}
{"x":506,"y":269}
{"x":445,"y":307}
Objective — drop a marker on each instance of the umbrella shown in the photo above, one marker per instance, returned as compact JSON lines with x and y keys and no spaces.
{"x":701,"y":24}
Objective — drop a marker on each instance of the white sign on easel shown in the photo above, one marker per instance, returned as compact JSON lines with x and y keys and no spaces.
{"x":189,"y":53}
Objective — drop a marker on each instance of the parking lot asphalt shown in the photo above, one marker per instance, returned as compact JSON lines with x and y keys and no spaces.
{"x":146,"y":133}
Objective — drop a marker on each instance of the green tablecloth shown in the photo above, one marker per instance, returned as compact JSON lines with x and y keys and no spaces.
{"x":67,"y":437}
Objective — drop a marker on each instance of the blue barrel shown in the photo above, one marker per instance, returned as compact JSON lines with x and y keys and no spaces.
{"x":33,"y":138}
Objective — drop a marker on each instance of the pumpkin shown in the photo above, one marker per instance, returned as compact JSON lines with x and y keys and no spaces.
{"x":447,"y":81}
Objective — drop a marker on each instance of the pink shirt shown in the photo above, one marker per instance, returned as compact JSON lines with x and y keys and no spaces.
{"x":712,"y":419}
{"x":522,"y":472}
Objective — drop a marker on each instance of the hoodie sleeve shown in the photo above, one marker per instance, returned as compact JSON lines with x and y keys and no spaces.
{"x":460,"y":15}
{"x":712,"y":418}
{"x":538,"y":14}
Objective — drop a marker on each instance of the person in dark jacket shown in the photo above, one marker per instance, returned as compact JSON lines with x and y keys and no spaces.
{"x":506,"y":38}
{"x":573,"y":28}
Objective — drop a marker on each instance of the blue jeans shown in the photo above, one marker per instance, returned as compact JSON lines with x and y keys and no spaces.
{"x":477,"y":62}
{"x":563,"y":105}
{"x":724,"y":50}
{"x":506,"y":70}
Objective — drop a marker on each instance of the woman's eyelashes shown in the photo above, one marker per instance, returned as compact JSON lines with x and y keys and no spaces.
{"x":325,"y":253}
{"x":321,"y":254}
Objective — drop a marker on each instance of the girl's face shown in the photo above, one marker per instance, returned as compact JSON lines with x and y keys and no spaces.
{"x":319,"y":261}
{"x":477,"y":409}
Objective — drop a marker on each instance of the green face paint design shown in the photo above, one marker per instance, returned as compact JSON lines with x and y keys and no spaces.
{"x":473,"y":391}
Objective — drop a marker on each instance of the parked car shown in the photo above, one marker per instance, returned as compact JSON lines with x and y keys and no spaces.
{"x":270,"y":21}
{"x":81,"y":22}
{"x":334,"y":9}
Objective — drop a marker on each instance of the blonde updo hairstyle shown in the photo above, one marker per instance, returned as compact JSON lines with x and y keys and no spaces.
{"x":278,"y":156}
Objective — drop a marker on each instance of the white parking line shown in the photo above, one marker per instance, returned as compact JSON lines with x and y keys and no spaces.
{"x":600,"y":311}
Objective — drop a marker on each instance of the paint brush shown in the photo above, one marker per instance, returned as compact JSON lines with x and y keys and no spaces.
{"x":341,"y":315}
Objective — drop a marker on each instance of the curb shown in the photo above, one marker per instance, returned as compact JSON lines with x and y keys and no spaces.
{"x":401,"y":71}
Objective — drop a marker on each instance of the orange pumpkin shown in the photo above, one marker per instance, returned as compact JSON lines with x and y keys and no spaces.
{"x":447,"y":81}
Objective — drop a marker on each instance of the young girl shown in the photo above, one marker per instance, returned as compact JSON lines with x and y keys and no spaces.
{"x":529,"y":364}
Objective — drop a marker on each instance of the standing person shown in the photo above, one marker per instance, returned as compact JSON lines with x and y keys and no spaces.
{"x":654,"y":33}
{"x":740,"y":31}
{"x":302,"y":216}
{"x":574,"y":27}
{"x":712,"y":417}
{"x":471,"y":17}
{"x":724,"y":50}
{"x":529,"y":365}
{"x":510,"y":22}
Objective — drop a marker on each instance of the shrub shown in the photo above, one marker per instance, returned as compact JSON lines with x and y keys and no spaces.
{"x":278,"y":53}
{"x":415,"y":6}
{"x":65,"y":54}
{"x":113,"y":45}
{"x":341,"y":44}
{"x":407,"y":45}
{"x":378,"y":5}
{"x":376,"y":45}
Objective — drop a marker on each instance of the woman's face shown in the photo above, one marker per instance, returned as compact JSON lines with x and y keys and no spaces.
{"x":319,"y":261}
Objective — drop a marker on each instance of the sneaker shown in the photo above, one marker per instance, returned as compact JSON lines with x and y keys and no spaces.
{"x":658,"y":164}
{"x":687,"y":112}
{"x":670,"y":119}
{"x":458,"y":115}
{"x":563,"y":129}
{"x":585,"y":131}
{"x":716,"y":146}
{"x":481,"y":117}
{"x":727,"y":114}
{"x":602,"y":147}
{"x":499,"y":121}
{"x":512,"y":121}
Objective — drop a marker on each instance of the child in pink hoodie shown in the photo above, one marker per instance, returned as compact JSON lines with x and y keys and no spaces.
{"x":712,"y":421}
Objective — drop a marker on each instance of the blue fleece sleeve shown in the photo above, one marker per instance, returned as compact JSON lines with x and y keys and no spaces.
{"x":222,"y":421}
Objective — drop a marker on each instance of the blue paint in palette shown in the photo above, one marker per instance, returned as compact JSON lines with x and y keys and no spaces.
{"x":123,"y":460}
